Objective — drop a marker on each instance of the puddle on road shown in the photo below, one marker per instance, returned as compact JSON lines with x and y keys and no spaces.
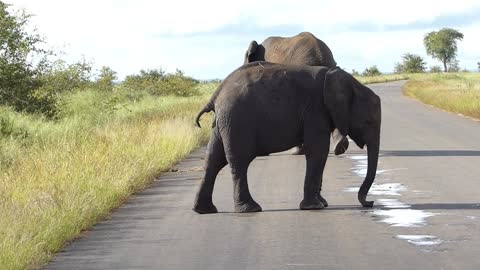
{"x":394,"y":212}
{"x":402,"y":217}
{"x":420,"y":240}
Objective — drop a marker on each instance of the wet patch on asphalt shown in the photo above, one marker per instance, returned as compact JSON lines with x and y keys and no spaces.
{"x":394,"y":212}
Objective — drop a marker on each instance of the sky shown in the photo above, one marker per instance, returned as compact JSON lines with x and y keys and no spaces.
{"x":207,"y":39}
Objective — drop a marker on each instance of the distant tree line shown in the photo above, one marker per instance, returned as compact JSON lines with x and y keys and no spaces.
{"x":440,"y":45}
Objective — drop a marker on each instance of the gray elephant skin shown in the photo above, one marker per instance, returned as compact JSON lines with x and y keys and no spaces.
{"x":302,"y":49}
{"x":262,"y":108}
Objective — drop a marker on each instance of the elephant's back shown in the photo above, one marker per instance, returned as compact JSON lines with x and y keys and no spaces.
{"x":264,"y":82}
{"x":302,"y":49}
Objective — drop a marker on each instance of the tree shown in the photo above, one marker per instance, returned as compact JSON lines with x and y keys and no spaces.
{"x":355,"y":73}
{"x":442,"y":45}
{"x":478,"y":65}
{"x":411,"y":63}
{"x":22,"y":60}
{"x":106,"y":78}
{"x":371,"y":71}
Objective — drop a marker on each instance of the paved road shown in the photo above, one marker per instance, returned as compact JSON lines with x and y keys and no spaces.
{"x":427,"y":213}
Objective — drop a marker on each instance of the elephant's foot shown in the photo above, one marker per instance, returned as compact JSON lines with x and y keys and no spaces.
{"x":204,"y":207}
{"x":363,"y":201}
{"x":325,"y":203}
{"x":368,"y":204}
{"x":341,"y":146}
{"x":248,"y":206}
{"x":312,"y":204}
{"x":298,"y":150}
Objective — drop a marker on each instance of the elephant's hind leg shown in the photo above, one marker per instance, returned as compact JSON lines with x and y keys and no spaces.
{"x":241,"y":194}
{"x":215,"y":161}
{"x":340,"y":142}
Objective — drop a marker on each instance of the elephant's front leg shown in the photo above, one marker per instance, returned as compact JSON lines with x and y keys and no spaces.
{"x":316,"y":154}
{"x":241,"y":194}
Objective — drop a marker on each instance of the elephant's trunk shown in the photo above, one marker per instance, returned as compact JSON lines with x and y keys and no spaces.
{"x":373,"y":148}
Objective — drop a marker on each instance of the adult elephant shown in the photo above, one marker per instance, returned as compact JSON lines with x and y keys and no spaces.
{"x":302,"y":49}
{"x":262,"y":108}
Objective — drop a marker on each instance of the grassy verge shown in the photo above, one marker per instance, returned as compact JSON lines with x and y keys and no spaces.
{"x":457,"y":92}
{"x":382,"y":78}
{"x":60,"y":177}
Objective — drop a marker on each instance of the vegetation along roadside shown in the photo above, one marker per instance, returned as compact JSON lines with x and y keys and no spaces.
{"x":454,"y":92}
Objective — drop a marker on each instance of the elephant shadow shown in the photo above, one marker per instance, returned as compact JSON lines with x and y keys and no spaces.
{"x":418,"y":206}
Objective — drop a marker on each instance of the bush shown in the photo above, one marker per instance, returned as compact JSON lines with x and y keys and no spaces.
{"x":411,"y":63}
{"x":355,"y":73}
{"x":453,"y":66}
{"x":435,"y":69}
{"x":105,"y":79}
{"x":158,"y":83}
{"x":59,"y":79}
{"x":371,"y":71}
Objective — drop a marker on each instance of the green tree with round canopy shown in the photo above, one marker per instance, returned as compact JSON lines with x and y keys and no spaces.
{"x":442,"y":45}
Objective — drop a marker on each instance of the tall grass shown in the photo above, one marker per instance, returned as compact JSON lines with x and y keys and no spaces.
{"x":455,"y":92}
{"x":60,"y":177}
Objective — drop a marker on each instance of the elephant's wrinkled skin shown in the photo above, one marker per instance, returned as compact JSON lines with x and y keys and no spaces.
{"x":302,"y":49}
{"x":262,"y":108}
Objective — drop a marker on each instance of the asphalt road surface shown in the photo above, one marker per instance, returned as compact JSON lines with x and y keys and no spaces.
{"x":426,"y":214}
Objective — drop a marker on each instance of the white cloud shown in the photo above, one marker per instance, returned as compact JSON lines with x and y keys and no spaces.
{"x":132,"y":34}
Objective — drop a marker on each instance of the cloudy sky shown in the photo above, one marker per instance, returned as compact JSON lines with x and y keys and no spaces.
{"x":207,"y":39}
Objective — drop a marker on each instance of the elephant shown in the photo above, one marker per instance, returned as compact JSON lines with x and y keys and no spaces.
{"x":302,"y":49}
{"x":262,"y":108}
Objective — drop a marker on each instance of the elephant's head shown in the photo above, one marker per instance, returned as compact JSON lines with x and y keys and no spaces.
{"x":254,"y":53}
{"x":355,"y":111}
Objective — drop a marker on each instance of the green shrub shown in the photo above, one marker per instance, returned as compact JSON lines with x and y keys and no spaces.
{"x":411,"y":63}
{"x":105,"y":79}
{"x":60,"y":78}
{"x":371,"y":71}
{"x":435,"y":69}
{"x":156,"y":82}
{"x":453,"y":66}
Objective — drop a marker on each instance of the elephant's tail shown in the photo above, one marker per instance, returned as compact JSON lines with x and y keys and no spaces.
{"x":210,"y":105}
{"x":208,"y":108}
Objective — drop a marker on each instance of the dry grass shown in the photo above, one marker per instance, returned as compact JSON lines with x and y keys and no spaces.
{"x":455,"y":92}
{"x":62,"y":177}
{"x":382,"y":78}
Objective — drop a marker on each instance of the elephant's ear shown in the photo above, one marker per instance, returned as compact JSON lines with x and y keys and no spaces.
{"x":338,"y":94}
{"x":250,"y":54}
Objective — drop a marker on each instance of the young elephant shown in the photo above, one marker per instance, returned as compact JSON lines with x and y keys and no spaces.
{"x":262,"y":108}
{"x":302,"y":49}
